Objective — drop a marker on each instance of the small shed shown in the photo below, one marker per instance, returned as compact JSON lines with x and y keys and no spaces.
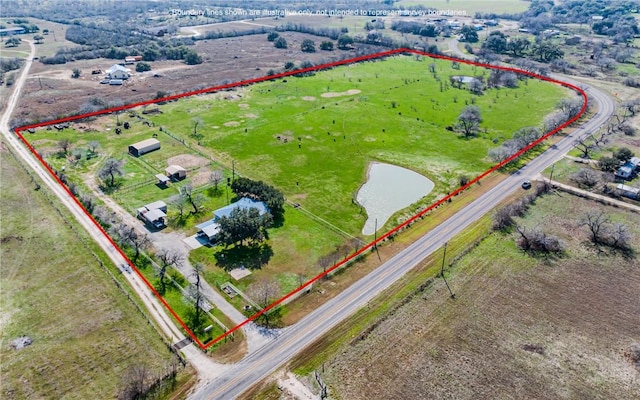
{"x":635,"y":163}
{"x":144,"y":147}
{"x":162,"y":179}
{"x":629,"y":191}
{"x":175,"y":172}
{"x":625,"y":172}
{"x":208,"y":229}
{"x":153,"y":214}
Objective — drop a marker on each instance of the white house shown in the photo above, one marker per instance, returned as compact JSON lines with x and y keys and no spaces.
{"x":117,"y":71}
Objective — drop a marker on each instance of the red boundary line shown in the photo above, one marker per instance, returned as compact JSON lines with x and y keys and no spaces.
{"x":248,"y":82}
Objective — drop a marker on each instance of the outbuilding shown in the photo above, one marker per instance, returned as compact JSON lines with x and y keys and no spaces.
{"x":117,"y":71}
{"x":144,"y":147}
{"x":153,"y":214}
{"x":175,"y":172}
{"x":629,"y":191}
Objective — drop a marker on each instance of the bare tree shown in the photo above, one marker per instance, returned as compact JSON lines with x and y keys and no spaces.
{"x":196,"y":200}
{"x":586,"y":177}
{"x":570,"y":107}
{"x":502,"y":219}
{"x":198,"y":269}
{"x":129,"y":236}
{"x":630,"y":107}
{"x":620,"y":236}
{"x":216,"y":177}
{"x":179,"y":202}
{"x":168,"y":258}
{"x":93,"y":146}
{"x":111,"y":168}
{"x":136,"y":381}
{"x":469,"y":120}
{"x":65,"y":146}
{"x":197,"y":121}
{"x":596,"y":221}
{"x":264,"y":292}
{"x":584,"y":147}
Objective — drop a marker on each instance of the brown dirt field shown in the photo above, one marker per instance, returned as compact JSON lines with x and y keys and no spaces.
{"x":187,"y":161}
{"x":50,"y":92}
{"x":519,"y":327}
{"x":349,"y":92}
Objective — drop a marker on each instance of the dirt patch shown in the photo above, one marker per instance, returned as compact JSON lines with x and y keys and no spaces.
{"x":231,"y":123}
{"x":252,"y":116}
{"x":21,"y":342}
{"x":201,"y":177}
{"x":243,"y":105}
{"x":308,"y":98}
{"x":349,"y":92}
{"x":187,"y":161}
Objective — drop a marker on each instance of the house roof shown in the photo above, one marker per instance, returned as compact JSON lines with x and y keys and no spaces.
{"x":162,"y":178}
{"x":624,"y":171}
{"x":156,"y":205}
{"x":173,"y":169}
{"x":242,"y":203}
{"x":145,"y":143}
{"x":209,"y":228}
{"x":154,"y":215}
{"x":117,"y":67}
{"x":629,"y":189}
{"x":635,"y":161}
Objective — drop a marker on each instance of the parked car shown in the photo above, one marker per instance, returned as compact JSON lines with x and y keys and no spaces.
{"x":526,"y":185}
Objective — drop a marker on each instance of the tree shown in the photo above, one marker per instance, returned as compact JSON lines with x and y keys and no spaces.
{"x":192,"y":58}
{"x":130,"y":237}
{"x":308,"y":46}
{"x":241,"y":225}
{"x":75,"y":73}
{"x":431,"y":30}
{"x":289,"y":65}
{"x":345,"y":42}
{"x":179,"y":202}
{"x":517,"y":46}
{"x":264,"y":292}
{"x":586,"y":177}
{"x":570,"y":107}
{"x":197,"y":121}
{"x":93,"y":146}
{"x":502,"y":219}
{"x":13,"y":42}
{"x":196,"y":200}
{"x":546,"y":51}
{"x":111,"y":168}
{"x":623,"y":154}
{"x":168,"y":258}
{"x":469,"y":34}
{"x":537,"y":241}
{"x":584,"y":147}
{"x":64,"y":145}
{"x":272,"y":197}
{"x":608,"y":164}
{"x":272,"y":36}
{"x":596,"y":221}
{"x":142,"y":67}
{"x":281,"y":43}
{"x":215,"y":178}
{"x":326,"y":45}
{"x":198,"y":269}
{"x":496,"y":42}
{"x":469,"y":120}
{"x":38,"y":39}
{"x":135,"y":382}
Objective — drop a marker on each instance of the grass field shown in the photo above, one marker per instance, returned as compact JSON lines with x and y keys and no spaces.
{"x":520,"y":326}
{"x":85,"y":332}
{"x":313,"y":138}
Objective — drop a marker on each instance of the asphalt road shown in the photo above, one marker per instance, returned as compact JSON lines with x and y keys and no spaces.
{"x":295,"y":338}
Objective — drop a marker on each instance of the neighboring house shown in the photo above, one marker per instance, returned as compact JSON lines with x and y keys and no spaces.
{"x":209,"y":228}
{"x":117,"y":71}
{"x":175,"y":172}
{"x":625,"y":172}
{"x":491,"y":22}
{"x":144,"y":147}
{"x":153,"y":214}
{"x":244,"y":203}
{"x":12,"y":31}
{"x":629,"y":191}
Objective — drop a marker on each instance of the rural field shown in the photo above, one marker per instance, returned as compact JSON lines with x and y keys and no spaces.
{"x":87,"y":336}
{"x":543,"y":327}
{"x":311,"y":137}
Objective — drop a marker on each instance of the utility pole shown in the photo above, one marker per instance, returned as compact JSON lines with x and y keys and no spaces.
{"x":453,"y":296}
{"x":553,"y":166}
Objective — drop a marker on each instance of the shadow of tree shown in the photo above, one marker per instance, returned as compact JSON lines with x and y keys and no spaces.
{"x":251,"y":257}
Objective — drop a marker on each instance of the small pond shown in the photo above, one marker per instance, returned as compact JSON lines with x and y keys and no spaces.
{"x":389,"y":189}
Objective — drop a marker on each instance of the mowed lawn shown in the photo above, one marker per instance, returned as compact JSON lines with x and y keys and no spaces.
{"x":521,"y":326}
{"x":317,"y":149}
{"x":85,"y":332}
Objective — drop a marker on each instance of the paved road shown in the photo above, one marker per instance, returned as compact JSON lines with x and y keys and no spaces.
{"x":206,"y":368}
{"x":295,"y":338}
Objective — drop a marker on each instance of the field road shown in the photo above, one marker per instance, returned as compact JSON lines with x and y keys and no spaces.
{"x":206,"y":368}
{"x":295,"y":338}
